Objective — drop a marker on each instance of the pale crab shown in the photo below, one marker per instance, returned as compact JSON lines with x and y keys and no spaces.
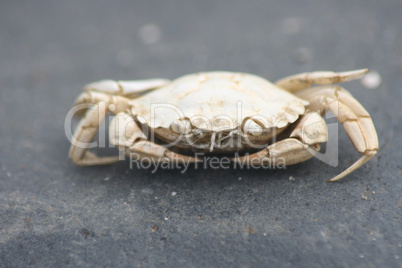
{"x":224,"y":113}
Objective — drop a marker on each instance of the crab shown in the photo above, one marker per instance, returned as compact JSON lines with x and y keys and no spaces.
{"x":223,"y":113}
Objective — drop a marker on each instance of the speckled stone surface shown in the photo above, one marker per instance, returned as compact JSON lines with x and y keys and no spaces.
{"x":52,"y":212}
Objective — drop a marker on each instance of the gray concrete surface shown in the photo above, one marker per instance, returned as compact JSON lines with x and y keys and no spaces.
{"x":52,"y":212}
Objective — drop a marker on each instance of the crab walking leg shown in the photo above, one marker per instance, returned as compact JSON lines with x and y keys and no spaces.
{"x":126,"y":88}
{"x":88,"y":127}
{"x":303,"y":143}
{"x":301,"y":81}
{"x":95,"y":92}
{"x":152,"y":152}
{"x":289,"y":151}
{"x":354,"y":118}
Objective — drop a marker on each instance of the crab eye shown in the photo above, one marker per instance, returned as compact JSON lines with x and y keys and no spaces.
{"x":252,"y":127}
{"x":180,"y":126}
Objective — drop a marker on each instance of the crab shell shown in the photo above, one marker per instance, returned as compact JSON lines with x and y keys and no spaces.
{"x":195,"y":109}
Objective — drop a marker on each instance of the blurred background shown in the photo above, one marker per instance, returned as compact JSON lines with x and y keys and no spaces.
{"x":52,"y":212}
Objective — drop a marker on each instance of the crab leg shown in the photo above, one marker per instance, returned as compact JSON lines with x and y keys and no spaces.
{"x":95,"y":92}
{"x":354,"y":118}
{"x":301,"y":81}
{"x":104,"y":96}
{"x":88,"y":127}
{"x":303,"y":143}
{"x":131,"y":88}
{"x":289,"y":151}
{"x":149,"y":151}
